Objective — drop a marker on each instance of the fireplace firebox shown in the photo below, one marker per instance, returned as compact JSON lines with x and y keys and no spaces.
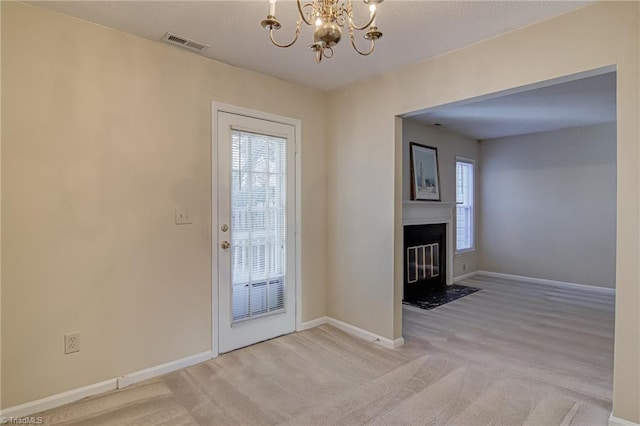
{"x":425,"y":267}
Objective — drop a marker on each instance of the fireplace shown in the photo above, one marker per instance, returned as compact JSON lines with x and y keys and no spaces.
{"x":425,"y":266}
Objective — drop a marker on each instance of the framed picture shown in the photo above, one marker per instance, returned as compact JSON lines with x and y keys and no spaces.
{"x":425,"y":181}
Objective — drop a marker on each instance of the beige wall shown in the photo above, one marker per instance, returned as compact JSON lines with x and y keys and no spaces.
{"x":365,"y":223}
{"x":104,"y":134}
{"x":549,"y":205}
{"x":450,"y":145}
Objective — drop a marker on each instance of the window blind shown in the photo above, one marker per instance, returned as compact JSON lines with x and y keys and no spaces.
{"x":258,"y":211}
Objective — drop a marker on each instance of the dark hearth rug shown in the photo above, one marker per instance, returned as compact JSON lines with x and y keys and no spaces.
{"x":438,"y":297}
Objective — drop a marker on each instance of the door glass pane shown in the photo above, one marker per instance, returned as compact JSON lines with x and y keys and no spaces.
{"x":258,"y":215}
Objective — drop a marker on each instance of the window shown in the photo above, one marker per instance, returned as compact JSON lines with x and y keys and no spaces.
{"x":464,"y":205}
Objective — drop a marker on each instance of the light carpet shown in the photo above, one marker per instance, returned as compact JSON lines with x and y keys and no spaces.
{"x":513,"y":354}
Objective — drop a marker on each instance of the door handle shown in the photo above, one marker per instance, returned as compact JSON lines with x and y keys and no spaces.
{"x":225,"y":244}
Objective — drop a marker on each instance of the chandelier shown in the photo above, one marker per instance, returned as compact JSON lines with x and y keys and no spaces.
{"x":328,"y":17}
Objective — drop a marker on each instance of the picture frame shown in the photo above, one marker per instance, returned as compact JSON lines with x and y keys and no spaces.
{"x":425,"y":178}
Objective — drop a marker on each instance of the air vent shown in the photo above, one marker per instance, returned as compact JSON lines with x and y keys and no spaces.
{"x":184,"y":42}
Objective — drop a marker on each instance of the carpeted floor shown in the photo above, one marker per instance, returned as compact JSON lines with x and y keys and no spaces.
{"x":511,"y":354}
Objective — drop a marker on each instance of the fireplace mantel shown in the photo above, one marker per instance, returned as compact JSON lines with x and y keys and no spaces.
{"x":427,"y":212}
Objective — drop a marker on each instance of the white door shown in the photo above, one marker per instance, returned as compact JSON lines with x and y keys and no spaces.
{"x":256,"y":230}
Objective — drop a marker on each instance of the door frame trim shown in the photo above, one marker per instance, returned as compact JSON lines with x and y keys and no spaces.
{"x":217,"y":107}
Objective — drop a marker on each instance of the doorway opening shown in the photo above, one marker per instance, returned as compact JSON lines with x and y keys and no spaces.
{"x":545,"y":221}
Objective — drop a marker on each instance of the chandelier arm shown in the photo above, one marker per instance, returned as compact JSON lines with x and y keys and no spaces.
{"x":298,"y":23}
{"x":352,"y":25}
{"x":300,"y":8}
{"x":365,"y":26}
{"x":363,"y":53}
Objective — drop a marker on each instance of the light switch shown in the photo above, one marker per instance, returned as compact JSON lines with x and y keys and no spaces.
{"x":183,"y":216}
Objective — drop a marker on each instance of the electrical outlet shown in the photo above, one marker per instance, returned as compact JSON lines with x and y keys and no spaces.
{"x":71,"y":343}
{"x":183,"y":216}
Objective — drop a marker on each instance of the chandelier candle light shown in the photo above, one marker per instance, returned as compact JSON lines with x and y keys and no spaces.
{"x":328,"y":17}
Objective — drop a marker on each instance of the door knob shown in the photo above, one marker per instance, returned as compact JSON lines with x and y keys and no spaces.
{"x":225,"y":244}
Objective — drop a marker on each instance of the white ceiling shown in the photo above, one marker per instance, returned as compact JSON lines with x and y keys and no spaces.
{"x":413,"y":31}
{"x":582,"y":102}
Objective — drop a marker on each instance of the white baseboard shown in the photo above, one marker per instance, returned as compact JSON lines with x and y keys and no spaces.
{"x":465,"y":276}
{"x":313,"y":323}
{"x":57,"y":400}
{"x":353,"y":330}
{"x":603,"y":290}
{"x":73,"y":395}
{"x":617,"y":421}
{"x":159,"y":370}
{"x":364,"y":334}
{"x":396,"y":343}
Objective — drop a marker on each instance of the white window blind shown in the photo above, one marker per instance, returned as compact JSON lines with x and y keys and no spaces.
{"x":464,"y":205}
{"x":258,"y":210}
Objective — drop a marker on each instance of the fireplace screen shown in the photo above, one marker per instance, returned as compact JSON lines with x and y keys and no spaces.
{"x":423,"y":262}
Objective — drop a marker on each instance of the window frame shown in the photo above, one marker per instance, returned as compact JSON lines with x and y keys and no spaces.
{"x":472,"y":215}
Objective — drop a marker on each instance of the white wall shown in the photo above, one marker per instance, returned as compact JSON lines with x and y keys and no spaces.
{"x":365,"y":163}
{"x":450,"y":145}
{"x":549,"y":205}
{"x":104,"y":134}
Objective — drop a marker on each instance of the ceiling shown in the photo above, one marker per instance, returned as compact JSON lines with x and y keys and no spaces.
{"x":413,"y":31}
{"x":582,"y":102}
